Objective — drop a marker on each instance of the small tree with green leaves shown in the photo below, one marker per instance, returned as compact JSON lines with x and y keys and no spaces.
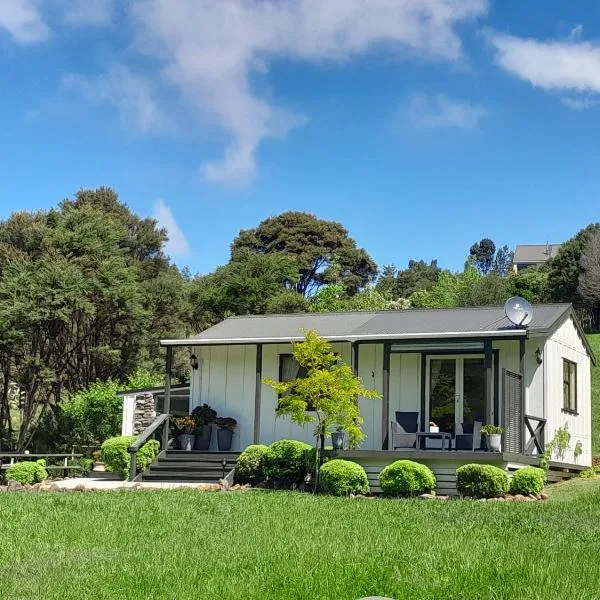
{"x":326,"y":396}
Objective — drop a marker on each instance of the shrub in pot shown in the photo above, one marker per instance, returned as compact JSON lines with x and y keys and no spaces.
{"x":206,"y":417}
{"x":287,"y":461}
{"x":481,"y":481}
{"x":117,"y":459}
{"x":343,"y":477}
{"x":406,"y":478}
{"x":186,"y":428}
{"x":493,"y":434}
{"x":250,"y":465}
{"x":226,"y":427}
{"x":528,"y":480}
{"x":26,"y":472}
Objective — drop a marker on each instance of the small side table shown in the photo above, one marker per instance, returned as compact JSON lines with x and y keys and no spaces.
{"x":433,"y":435}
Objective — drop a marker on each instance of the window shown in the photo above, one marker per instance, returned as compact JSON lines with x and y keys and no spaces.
{"x":290,"y":369}
{"x":569,"y":386}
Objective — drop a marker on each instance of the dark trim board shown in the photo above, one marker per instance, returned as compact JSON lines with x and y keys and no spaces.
{"x":449,"y":455}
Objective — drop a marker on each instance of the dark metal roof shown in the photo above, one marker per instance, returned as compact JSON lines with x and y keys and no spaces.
{"x":390,"y":325}
{"x":535,"y":253}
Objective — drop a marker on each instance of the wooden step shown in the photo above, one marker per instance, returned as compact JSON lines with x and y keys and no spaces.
{"x":163,"y":467}
{"x":182,"y":476}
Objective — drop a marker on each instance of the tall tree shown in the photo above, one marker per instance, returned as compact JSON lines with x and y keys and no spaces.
{"x":502,"y":261}
{"x":589,"y":279}
{"x":483,"y":254}
{"x":419,"y":275}
{"x":322,"y":250}
{"x":530,"y":283}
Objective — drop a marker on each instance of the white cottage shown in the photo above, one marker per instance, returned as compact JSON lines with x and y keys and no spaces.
{"x":450,"y":369}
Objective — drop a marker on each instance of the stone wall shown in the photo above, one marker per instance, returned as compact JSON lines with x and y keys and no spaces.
{"x":144,"y":412}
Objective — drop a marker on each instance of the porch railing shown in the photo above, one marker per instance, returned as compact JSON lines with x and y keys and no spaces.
{"x":535,"y":427}
{"x":143,"y":437}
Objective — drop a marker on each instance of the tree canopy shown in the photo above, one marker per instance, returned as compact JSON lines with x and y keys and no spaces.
{"x":322,"y":250}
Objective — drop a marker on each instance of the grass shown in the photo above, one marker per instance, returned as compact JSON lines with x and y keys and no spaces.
{"x":594,"y":340}
{"x":261,"y":545}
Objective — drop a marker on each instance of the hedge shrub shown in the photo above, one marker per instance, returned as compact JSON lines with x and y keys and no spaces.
{"x":117,"y":459}
{"x":406,"y":478}
{"x":287,"y":461}
{"x":26,"y":473}
{"x":529,"y":480}
{"x":250,"y":466}
{"x":481,"y":481}
{"x":343,"y":477}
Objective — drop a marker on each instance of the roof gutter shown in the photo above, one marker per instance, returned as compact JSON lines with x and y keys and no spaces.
{"x":350,"y":338}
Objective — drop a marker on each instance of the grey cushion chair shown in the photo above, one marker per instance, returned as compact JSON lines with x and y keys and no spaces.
{"x":468,"y":441}
{"x":404,"y":430}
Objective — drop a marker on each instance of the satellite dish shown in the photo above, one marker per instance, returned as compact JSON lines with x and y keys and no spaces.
{"x":518,"y":311}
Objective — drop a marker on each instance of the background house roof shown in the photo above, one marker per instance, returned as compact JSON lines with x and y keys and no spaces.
{"x":393,"y":324}
{"x":535,"y":253}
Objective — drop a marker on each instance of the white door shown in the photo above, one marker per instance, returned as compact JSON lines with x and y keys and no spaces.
{"x":455,"y":390}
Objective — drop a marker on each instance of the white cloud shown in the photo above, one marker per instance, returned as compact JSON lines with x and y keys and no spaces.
{"x":557,"y":66}
{"x":583,"y":103}
{"x":217,"y":51}
{"x":23,"y":21}
{"x":177,"y":244}
{"x":576,"y":32}
{"x":442,"y":112}
{"x":132,"y":95}
{"x":95,"y":13}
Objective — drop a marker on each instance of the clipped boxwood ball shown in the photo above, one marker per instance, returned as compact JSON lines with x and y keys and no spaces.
{"x":343,"y":477}
{"x":26,"y":473}
{"x":406,"y":478}
{"x":287,"y":461}
{"x":529,"y":480}
{"x":481,"y":481}
{"x":250,"y":466}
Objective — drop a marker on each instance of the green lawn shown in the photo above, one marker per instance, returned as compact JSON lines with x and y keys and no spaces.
{"x":594,"y":340}
{"x":261,"y":545}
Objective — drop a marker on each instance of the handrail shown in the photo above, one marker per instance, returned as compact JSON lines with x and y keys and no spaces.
{"x":143,"y":437}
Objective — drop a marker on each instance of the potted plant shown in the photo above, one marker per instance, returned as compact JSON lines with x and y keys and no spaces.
{"x":186,"y":429}
{"x":494,"y":437}
{"x":206,"y":417}
{"x":226,"y":427}
{"x":337,"y":438}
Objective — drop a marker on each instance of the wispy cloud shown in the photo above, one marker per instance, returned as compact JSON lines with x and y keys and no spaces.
{"x":94,"y":13}
{"x":442,"y":112}
{"x":177,"y":244}
{"x":572,"y":66}
{"x":134,"y":96}
{"x":23,"y":21}
{"x":213,"y":49}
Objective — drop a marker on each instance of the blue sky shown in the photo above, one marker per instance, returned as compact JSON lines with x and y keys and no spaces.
{"x":421,"y":125}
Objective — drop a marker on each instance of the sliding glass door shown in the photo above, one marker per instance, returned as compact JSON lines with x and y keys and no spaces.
{"x":456,"y":391}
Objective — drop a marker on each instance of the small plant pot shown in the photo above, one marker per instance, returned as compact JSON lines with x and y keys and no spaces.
{"x":185,"y":441}
{"x":434,"y":429}
{"x":337,"y":440}
{"x":224,"y":438}
{"x":494,"y":442}
{"x":202,"y":440}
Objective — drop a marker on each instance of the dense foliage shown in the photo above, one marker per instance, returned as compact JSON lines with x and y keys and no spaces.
{"x":26,"y":472}
{"x":117,"y":458}
{"x":251,"y":464}
{"x":481,"y":481}
{"x":343,"y":477}
{"x":286,"y":462}
{"x":406,"y":478}
{"x":528,"y":480}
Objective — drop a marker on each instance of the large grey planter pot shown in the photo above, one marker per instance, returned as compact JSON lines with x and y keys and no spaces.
{"x":337,"y":440}
{"x":494,"y":442}
{"x":224,"y":437}
{"x":203,"y":439}
{"x":185,"y":441}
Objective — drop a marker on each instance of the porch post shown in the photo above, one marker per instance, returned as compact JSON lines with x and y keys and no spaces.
{"x":354,"y":356}
{"x":523,"y":384}
{"x":488,"y":362}
{"x":257,"y":392}
{"x":167,"y":400}
{"x":385,"y":411}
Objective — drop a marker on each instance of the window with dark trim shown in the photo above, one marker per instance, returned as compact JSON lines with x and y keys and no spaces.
{"x":569,"y":386}
{"x":289,"y":369}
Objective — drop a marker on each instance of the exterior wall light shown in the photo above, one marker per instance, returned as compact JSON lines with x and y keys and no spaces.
{"x":194,"y":362}
{"x":539,"y":356}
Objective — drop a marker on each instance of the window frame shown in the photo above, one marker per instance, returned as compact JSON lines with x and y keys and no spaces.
{"x":570,"y":367}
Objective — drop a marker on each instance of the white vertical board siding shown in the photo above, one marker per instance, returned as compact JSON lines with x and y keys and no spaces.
{"x":534,"y":379}
{"x":370,"y":370}
{"x":405,"y":383}
{"x":226,"y":383}
{"x":566,"y":343}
